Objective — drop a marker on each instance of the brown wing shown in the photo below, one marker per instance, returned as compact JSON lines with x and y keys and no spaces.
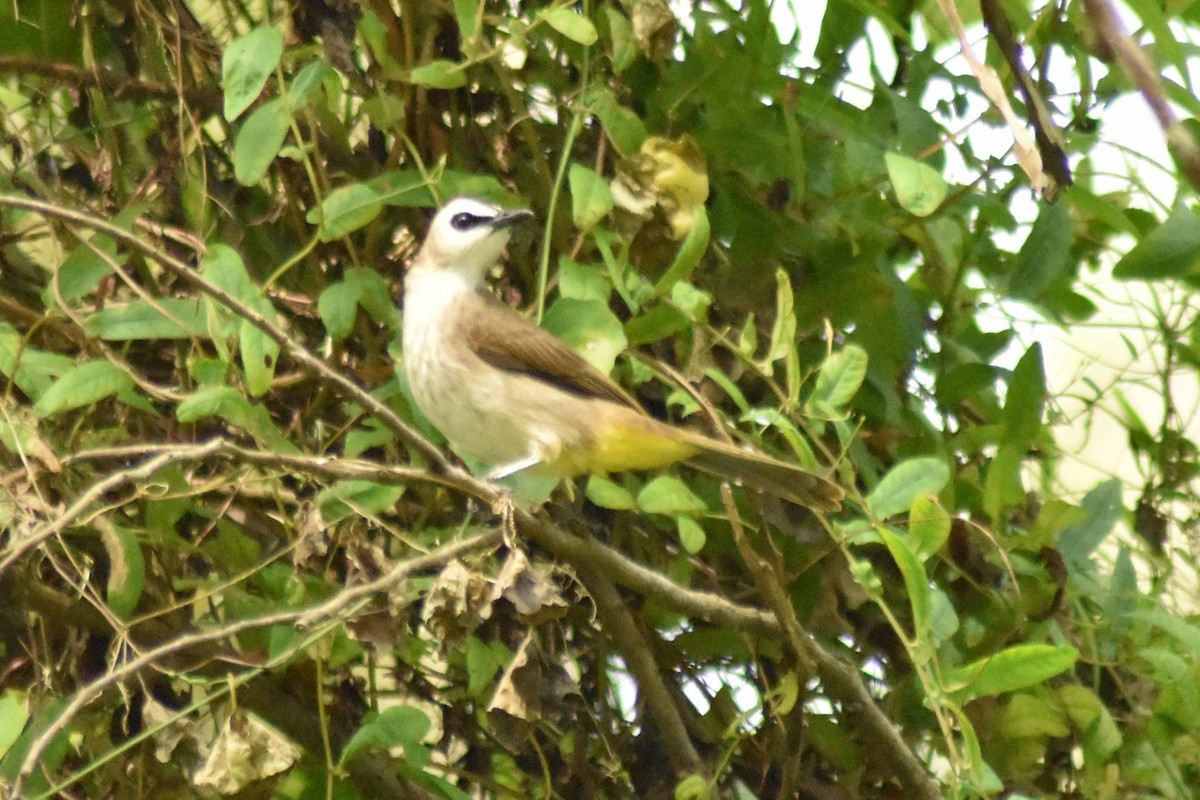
{"x":509,"y":342}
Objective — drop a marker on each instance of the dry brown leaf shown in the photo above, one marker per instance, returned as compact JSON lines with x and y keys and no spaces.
{"x":533,"y":589}
{"x":654,"y":29}
{"x":456,"y":603}
{"x":245,"y":751}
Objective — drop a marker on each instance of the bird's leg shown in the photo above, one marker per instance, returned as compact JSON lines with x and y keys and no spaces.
{"x":511,"y":468}
{"x":506,"y":508}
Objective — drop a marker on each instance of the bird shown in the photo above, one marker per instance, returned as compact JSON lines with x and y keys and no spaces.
{"x":514,"y":397}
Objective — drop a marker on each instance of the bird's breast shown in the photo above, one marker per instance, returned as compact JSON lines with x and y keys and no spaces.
{"x":496,"y":416}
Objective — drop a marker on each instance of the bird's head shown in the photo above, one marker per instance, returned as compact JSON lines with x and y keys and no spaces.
{"x":467,"y":236}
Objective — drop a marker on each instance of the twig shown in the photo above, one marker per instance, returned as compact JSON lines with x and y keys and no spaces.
{"x":1049,"y":137}
{"x":99,"y":489}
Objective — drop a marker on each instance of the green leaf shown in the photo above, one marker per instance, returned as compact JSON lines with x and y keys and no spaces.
{"x":691,"y":535}
{"x":783,"y":329}
{"x":1169,"y":251}
{"x":126,"y":570}
{"x":376,"y":297}
{"x":571,"y":24}
{"x":667,"y":494}
{"x":730,"y":388}
{"x":466,"y":13}
{"x":281,"y":640}
{"x":624,"y":127}
{"x":928,"y":526}
{"x":83,"y":270}
{"x":839,"y":379}
{"x":401,"y":726}
{"x":338,"y":307}
{"x":80,"y":274}
{"x":32,"y":370}
{"x":1028,"y":716}
{"x":916,"y":583}
{"x":620,"y":31}
{"x":37,"y":783}
{"x":694,"y":246}
{"x":657,"y":323}
{"x":905,"y":482}
{"x":259,"y":141}
{"x":591,"y":197}
{"x":920,"y":189}
{"x":13,"y":717}
{"x":583,"y":281}
{"x":1025,"y":400}
{"x":346,"y":209}
{"x":357,"y":497}
{"x":1079,"y":539}
{"x":246,"y":65}
{"x":1002,"y":487}
{"x":166,"y":318}
{"x":1088,"y":713}
{"x":228,"y":404}
{"x":693,"y":787}
{"x":375,"y":35}
{"x":260,"y":352}
{"x":606,"y":494}
{"x":1044,"y":257}
{"x":1010,"y":670}
{"x":223,"y":266}
{"x":482,"y":665}
{"x":455,"y":182}
{"x":833,"y":742}
{"x":439,"y":74}
{"x":87,"y":383}
{"x":306,"y":82}
{"x":692,"y":301}
{"x":590,"y":328}
{"x":943,"y":619}
{"x":405,"y":188}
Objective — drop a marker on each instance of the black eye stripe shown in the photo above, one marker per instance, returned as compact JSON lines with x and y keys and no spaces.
{"x":464,"y":221}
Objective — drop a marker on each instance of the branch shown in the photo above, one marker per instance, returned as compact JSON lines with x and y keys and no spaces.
{"x":841,"y":680}
{"x":619,"y":624}
{"x":313,"y":616}
{"x":207,"y":99}
{"x":405,"y":432}
{"x":1143,"y":74}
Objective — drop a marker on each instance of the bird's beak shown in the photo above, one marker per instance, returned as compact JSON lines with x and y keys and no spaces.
{"x":510,"y":218}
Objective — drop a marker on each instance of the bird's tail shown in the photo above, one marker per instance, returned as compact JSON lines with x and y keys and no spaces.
{"x":765,"y":474}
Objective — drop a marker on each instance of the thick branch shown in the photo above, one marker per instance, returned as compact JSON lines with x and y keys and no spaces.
{"x":577,"y":551}
{"x":1143,"y":74}
{"x":622,"y":629}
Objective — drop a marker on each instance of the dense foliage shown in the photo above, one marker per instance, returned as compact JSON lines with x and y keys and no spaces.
{"x":237,"y":560}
